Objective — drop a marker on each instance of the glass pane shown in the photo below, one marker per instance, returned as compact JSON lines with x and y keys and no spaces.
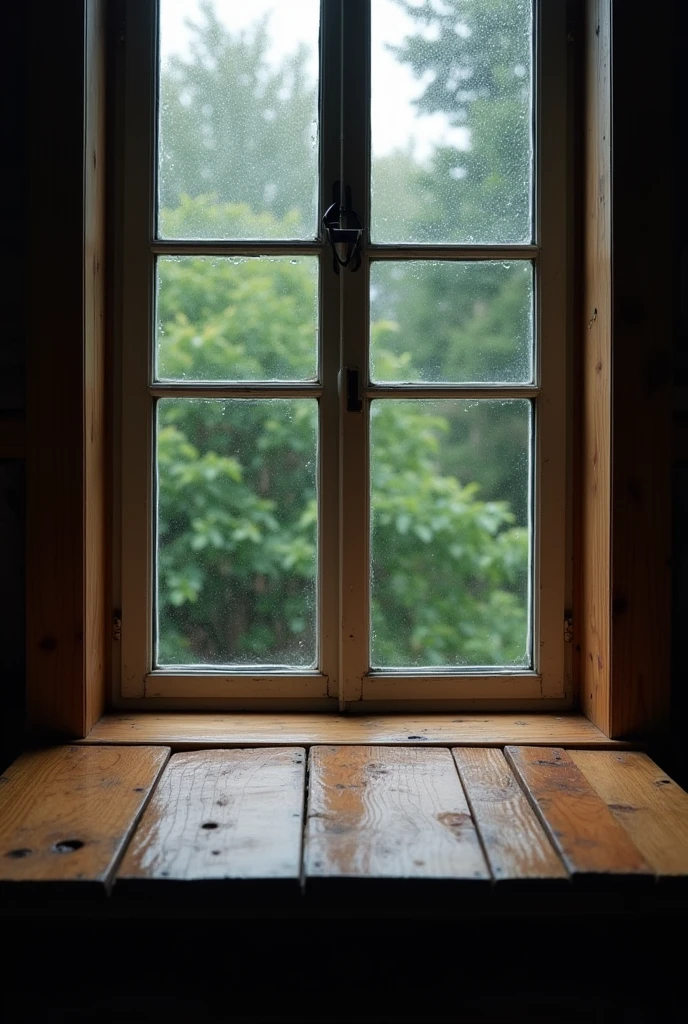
{"x":450,"y":491}
{"x":237,"y":318}
{"x":238,"y":143}
{"x":236,"y":523}
{"x":451,"y":121}
{"x":450,"y":322}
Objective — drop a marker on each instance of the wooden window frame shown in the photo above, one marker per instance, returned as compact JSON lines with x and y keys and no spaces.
{"x":623,"y":318}
{"x":343,"y":678}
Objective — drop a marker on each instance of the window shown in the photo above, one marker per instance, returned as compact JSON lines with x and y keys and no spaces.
{"x":343,"y":444}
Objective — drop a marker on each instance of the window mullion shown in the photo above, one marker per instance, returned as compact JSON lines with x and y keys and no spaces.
{"x":328,"y":497}
{"x":137,"y":318}
{"x":354,"y":475}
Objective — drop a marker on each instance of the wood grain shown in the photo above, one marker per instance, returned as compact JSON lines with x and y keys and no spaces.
{"x":376,"y":812}
{"x":65,"y":443}
{"x":66,"y":813}
{"x":652,"y":808}
{"x":513,"y":838}
{"x":202,"y":731}
{"x":643,"y":221}
{"x":580,"y":825}
{"x":623,"y":621}
{"x":222,"y":814}
{"x":593,"y":616}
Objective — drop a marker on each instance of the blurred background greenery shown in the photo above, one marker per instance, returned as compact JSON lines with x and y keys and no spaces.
{"x":450,"y":484}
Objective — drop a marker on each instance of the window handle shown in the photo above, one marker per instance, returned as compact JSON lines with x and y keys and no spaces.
{"x":349,"y":389}
{"x":343,"y":229}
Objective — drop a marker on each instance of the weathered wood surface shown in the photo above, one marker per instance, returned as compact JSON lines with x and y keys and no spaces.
{"x":203,"y":731}
{"x":66,"y":813}
{"x":652,"y":808}
{"x":582,"y":828}
{"x":222,"y":814}
{"x":514,"y":841}
{"x":623,"y":428}
{"x":592,"y":523}
{"x":67,"y":620}
{"x":393,"y":813}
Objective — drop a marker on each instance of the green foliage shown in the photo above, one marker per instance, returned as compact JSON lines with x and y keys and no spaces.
{"x":475,"y":57}
{"x":237,"y":504}
{"x":238,"y":129}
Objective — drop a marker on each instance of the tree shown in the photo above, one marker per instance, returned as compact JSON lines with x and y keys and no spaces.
{"x":475,"y":56}
{"x":239,"y":129}
{"x":474,"y":323}
{"x":237,"y":503}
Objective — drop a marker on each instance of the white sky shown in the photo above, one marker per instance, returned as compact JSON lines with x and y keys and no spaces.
{"x":395,"y":122}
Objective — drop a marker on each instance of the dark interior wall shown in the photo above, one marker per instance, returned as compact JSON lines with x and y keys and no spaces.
{"x":13,"y":199}
{"x":679,"y":691}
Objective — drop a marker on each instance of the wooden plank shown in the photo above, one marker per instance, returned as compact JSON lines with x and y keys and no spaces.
{"x":623,"y":620}
{"x":392,"y":813}
{"x":652,"y":808}
{"x":204,"y":731}
{"x":643,"y":221}
{"x":580,"y":825}
{"x":593,"y":615}
{"x":222,"y":814}
{"x":66,"y":814}
{"x":65,"y":443}
{"x":512,"y":836}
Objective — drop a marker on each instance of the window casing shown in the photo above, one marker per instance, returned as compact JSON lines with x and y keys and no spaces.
{"x":343,"y":675}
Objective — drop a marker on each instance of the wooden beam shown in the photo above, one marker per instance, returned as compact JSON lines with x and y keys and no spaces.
{"x":593,"y":616}
{"x":625,"y":410}
{"x":66,"y":563}
{"x":643,"y":222}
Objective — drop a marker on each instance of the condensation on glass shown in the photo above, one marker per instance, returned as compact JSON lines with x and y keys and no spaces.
{"x":442,"y":322}
{"x":237,"y":318}
{"x":236,"y":531}
{"x":451,"y":534}
{"x":451,"y":117}
{"x":238,"y":119}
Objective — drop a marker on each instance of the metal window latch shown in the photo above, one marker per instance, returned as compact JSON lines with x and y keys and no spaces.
{"x":349,"y":389}
{"x":343,"y":230}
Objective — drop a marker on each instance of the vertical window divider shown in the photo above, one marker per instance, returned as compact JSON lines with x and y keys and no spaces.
{"x":137,"y":322}
{"x":354,"y":555}
{"x":329,"y":354}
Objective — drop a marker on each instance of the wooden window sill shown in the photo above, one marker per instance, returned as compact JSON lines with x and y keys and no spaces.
{"x":184,"y":731}
{"x":343,"y":828}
